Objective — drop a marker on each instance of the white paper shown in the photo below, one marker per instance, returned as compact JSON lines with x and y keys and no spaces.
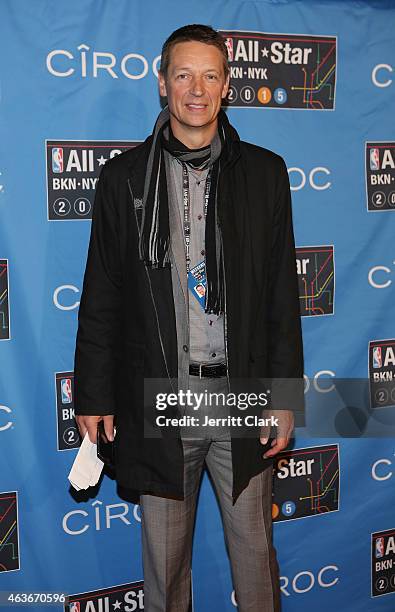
{"x":87,"y":467}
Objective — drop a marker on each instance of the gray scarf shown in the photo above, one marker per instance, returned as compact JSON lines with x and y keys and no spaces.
{"x":155,"y":236}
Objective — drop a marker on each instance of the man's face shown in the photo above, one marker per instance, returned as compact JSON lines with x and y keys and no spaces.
{"x":195,"y":84}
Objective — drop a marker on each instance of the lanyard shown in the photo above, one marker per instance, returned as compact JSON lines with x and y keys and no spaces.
{"x":186,"y":204}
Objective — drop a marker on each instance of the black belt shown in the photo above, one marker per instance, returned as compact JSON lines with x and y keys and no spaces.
{"x":216,"y":370}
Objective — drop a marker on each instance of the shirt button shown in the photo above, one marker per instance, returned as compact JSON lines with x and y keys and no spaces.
{"x":199,"y":217}
{"x":185,"y":348}
{"x":213,"y":354}
{"x":202,"y":252}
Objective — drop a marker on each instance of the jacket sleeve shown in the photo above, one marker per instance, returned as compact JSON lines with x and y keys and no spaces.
{"x":99,"y":314}
{"x":285,"y":335}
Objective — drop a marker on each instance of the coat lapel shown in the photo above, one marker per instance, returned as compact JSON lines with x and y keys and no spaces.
{"x":160,"y":281}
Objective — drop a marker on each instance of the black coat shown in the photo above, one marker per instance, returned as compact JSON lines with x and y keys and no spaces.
{"x":121,"y":312}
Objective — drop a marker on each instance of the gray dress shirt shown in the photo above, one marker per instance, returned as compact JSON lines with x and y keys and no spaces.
{"x":206,"y":331}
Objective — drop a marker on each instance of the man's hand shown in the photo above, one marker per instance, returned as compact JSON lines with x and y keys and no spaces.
{"x":285,"y":427}
{"x":89,"y":424}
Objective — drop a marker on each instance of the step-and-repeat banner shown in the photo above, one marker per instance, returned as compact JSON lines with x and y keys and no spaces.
{"x":313,"y":81}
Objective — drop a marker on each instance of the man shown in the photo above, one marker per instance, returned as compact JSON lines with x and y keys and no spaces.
{"x":191,"y":204}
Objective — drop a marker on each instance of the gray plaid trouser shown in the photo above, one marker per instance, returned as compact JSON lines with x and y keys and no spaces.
{"x":167,"y":529}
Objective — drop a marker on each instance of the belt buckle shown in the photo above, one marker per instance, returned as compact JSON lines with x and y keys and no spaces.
{"x":200,"y":370}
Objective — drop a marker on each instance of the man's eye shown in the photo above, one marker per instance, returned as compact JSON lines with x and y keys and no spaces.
{"x":182,"y":76}
{"x":212,"y":77}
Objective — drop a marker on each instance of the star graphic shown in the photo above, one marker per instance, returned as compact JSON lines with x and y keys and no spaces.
{"x":117,"y":605}
{"x":102,"y":160}
{"x":265,"y":52}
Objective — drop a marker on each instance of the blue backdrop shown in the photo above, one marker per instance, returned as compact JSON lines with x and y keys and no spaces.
{"x":313,"y":81}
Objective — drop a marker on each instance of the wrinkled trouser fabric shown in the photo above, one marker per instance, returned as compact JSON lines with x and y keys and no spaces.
{"x":167,"y":530}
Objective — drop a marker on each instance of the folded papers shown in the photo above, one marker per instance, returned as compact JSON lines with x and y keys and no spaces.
{"x":87,"y":467}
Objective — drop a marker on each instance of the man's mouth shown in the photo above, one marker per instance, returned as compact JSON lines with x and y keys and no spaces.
{"x":194,"y":106}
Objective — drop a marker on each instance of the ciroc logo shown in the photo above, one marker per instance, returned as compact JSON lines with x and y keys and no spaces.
{"x":381,"y":75}
{"x":382,"y":469}
{"x":88,"y":63}
{"x":304,"y":581}
{"x":378,"y":276}
{"x":77,"y":522}
{"x":316,"y":177}
{"x":8,"y":423}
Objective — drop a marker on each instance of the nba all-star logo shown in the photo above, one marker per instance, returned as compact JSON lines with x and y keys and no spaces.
{"x":68,"y":436}
{"x":73,"y":168}
{"x":315,"y":266}
{"x":382,"y":373}
{"x":306,"y":482}
{"x":9,"y":536}
{"x":281,"y":70}
{"x":383,"y":562}
{"x":380,"y":175}
{"x":121,"y":598}
{"x":4,"y":302}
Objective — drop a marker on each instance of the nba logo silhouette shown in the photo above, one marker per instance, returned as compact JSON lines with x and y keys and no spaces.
{"x":374,"y":159}
{"x":57,"y":159}
{"x":65,"y":387}
{"x":379,"y":548}
{"x":75,"y":606}
{"x":377,"y":360}
{"x":229,"y":47}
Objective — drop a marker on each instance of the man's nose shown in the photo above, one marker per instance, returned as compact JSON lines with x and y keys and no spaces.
{"x":197,"y":86}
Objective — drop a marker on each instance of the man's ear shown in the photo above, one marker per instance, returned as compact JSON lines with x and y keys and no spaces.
{"x":162,"y":85}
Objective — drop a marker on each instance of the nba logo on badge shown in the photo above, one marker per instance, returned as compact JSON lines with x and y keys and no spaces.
{"x":67,"y":395}
{"x":229,"y":47}
{"x":57,"y":159}
{"x":374,"y":159}
{"x":379,"y":548}
{"x":377,"y":361}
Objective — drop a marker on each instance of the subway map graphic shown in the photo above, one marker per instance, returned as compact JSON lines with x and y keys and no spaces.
{"x":316,"y":276}
{"x":281,"y":70}
{"x":9,"y":547}
{"x":4,"y":305}
{"x":306,"y":482}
